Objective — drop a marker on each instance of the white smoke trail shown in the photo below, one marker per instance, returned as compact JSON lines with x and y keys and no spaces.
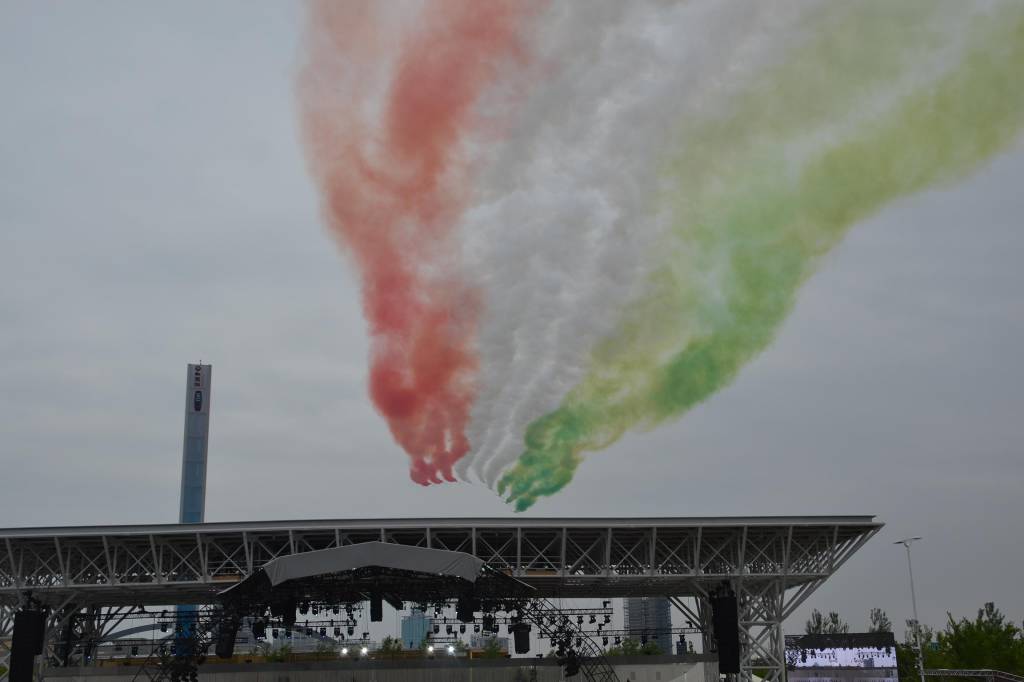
{"x":563,"y":225}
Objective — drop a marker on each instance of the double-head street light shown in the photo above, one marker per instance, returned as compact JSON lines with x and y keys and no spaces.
{"x":906,"y":542}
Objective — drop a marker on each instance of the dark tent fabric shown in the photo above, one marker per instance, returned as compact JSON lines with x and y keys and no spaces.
{"x":373,"y":554}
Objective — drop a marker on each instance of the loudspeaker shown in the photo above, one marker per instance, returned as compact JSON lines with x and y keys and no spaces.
{"x":572,"y":665}
{"x":465,"y":607}
{"x":226,"y":635}
{"x":726,"y":627}
{"x":376,"y":608}
{"x":26,"y":643}
{"x":521,"y":636}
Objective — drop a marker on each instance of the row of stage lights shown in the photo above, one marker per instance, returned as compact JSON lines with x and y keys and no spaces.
{"x":363,"y":651}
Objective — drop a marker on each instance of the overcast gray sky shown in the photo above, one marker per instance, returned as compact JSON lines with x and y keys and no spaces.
{"x":155,"y":210}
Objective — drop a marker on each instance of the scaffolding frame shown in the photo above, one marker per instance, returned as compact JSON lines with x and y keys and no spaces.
{"x":772,"y":563}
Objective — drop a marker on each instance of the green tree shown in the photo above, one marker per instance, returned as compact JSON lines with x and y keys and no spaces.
{"x":651,"y":649}
{"x":831,"y":624}
{"x":988,"y":641}
{"x":879,"y":621}
{"x":390,"y":648}
{"x":492,"y":649}
{"x":628,"y":647}
{"x":906,"y":653}
{"x":633,"y":647}
{"x":280,"y":654}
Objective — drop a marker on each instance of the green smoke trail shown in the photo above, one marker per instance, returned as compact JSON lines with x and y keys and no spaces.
{"x":754,"y":220}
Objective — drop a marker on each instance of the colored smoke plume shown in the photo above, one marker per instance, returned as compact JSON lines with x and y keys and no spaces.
{"x":576,"y":219}
{"x":384,"y":145}
{"x":768,"y":191}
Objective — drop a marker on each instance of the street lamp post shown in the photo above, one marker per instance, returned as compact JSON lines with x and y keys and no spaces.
{"x":906,"y":542}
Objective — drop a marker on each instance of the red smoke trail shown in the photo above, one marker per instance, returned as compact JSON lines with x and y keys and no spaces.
{"x":385,"y":149}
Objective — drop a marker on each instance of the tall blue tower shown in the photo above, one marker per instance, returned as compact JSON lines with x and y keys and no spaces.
{"x":192,"y":506}
{"x":197,"y":436}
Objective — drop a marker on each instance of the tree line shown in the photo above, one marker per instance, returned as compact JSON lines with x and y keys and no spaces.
{"x":989,"y":640}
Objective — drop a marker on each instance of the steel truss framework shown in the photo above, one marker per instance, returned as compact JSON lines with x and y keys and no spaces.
{"x":772,"y":563}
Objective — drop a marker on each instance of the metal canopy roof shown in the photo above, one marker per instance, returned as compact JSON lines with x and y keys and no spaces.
{"x":772,"y":563}
{"x":456,"y":522}
{"x":559,"y":557}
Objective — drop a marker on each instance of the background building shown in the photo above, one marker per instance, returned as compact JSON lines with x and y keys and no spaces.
{"x":649,"y":619}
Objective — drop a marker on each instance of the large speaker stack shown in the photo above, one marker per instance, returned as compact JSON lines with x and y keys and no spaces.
{"x":466,"y":607}
{"x":376,"y":607}
{"x":26,"y":643}
{"x":725,"y":625}
{"x":227,"y":633}
{"x":521,"y":637}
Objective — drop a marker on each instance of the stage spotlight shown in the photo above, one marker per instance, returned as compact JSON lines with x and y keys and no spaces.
{"x":451,"y":650}
{"x":344,"y":651}
{"x":430,"y":648}
{"x":364,"y":651}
